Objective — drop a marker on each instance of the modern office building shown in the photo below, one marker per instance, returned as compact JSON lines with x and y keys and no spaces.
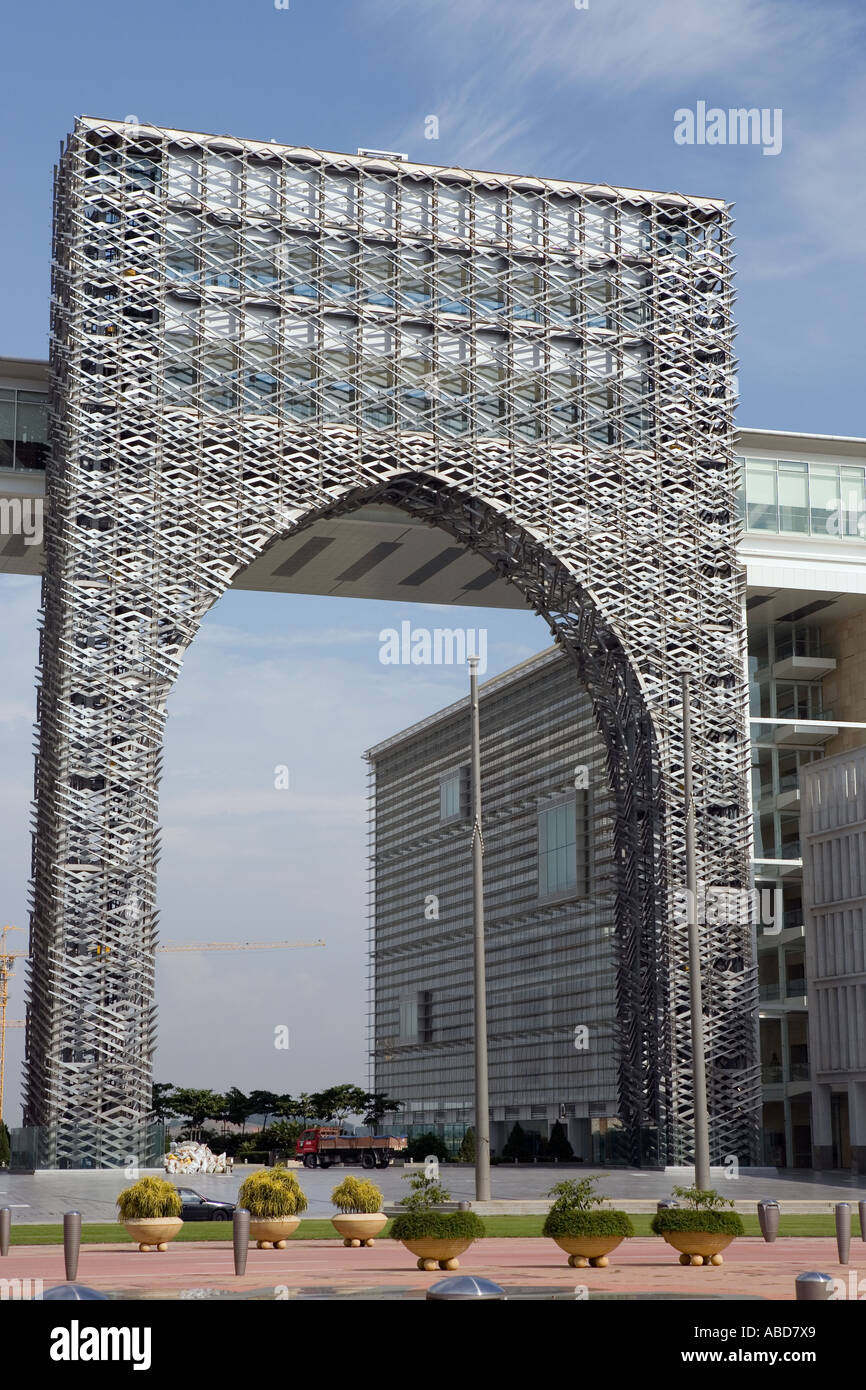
{"x":834,"y":894}
{"x":550,"y":958}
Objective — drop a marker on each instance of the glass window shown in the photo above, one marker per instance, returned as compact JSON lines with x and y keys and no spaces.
{"x":761,"y":495}
{"x":31,"y":429}
{"x":824,"y":499}
{"x":557,"y":849}
{"x":449,"y":796}
{"x":794,"y":497}
{"x":409,"y":1018}
{"x":7,"y":429}
{"x":853,"y":518}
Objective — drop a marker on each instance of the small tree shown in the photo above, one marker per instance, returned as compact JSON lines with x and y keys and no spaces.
{"x":467,"y":1152}
{"x":339,"y":1101}
{"x":196,"y":1106}
{"x":5,"y":1146}
{"x":427,"y":1146}
{"x":702,"y":1198}
{"x":517,"y":1144}
{"x":282,"y":1135}
{"x":558,"y":1145}
{"x":426,"y":1192}
{"x":377,"y":1106}
{"x":263,"y":1103}
{"x":162,"y":1101}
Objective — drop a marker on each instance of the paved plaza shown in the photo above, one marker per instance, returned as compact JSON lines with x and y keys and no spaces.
{"x":318,"y":1268}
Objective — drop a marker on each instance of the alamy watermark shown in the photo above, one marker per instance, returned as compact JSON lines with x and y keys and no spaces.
{"x":716,"y":906}
{"x":737,"y":126}
{"x":22,"y":516}
{"x":440,"y":646}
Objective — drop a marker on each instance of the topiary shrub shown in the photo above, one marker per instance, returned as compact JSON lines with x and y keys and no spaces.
{"x":561,"y":1221}
{"x":517,"y":1144}
{"x":713,"y":1223}
{"x":357,"y":1195}
{"x":148,"y":1199}
{"x":557,"y":1145}
{"x":467,"y":1152}
{"x":573,"y":1214}
{"x":424,"y":1224}
{"x":272,"y":1193}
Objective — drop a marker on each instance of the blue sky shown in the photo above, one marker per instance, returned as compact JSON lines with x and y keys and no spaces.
{"x":537,"y":87}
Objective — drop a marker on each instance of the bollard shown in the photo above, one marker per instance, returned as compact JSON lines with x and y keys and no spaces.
{"x":71,"y":1242}
{"x":813,"y":1287}
{"x":241,"y":1238}
{"x":768,"y":1218}
{"x":5,"y":1229}
{"x":843,"y":1231}
{"x":464,"y":1286}
{"x":464,"y":1206}
{"x":861,"y":1207}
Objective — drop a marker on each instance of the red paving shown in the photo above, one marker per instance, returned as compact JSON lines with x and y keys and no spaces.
{"x":639,"y":1265}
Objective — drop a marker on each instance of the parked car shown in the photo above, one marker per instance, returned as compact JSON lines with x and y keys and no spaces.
{"x":199,"y":1208}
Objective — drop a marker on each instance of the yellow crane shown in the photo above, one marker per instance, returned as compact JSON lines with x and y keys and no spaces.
{"x":7,"y":957}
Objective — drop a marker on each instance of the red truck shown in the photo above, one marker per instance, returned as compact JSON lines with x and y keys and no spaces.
{"x":324,"y":1145}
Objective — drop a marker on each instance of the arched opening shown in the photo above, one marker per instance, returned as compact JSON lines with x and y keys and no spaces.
{"x":600,"y":667}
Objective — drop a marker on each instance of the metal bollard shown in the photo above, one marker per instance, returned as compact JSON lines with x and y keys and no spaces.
{"x":464,"y":1286}
{"x":464,"y":1206}
{"x":768,"y":1218}
{"x":71,"y":1242}
{"x":861,"y":1207}
{"x":5,"y":1229}
{"x":843,"y":1231}
{"x":240,"y":1238}
{"x":813,"y":1287}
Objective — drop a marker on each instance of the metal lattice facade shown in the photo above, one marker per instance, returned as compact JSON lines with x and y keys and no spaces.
{"x":248,"y":337}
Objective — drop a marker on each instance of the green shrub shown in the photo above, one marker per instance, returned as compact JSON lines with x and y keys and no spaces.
{"x":452,"y":1225}
{"x":702,"y":1198}
{"x":576,"y":1194}
{"x":357,"y":1195}
{"x":273,"y":1192}
{"x":426,"y":1192}
{"x":5,"y":1146}
{"x":714,"y":1223}
{"x":561,"y":1221}
{"x":147,"y":1199}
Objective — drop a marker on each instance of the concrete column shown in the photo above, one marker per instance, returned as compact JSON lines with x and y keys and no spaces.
{"x":857,"y":1124}
{"x":789,"y":1134}
{"x":822,"y":1129}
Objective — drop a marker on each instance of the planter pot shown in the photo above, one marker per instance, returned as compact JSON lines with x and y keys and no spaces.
{"x":154,"y":1232}
{"x":433,"y":1251}
{"x":359,"y":1227}
{"x":698,"y":1247}
{"x":272,"y":1231}
{"x":588,"y":1250}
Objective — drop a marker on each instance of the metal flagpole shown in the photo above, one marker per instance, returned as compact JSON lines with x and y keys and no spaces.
{"x":482,"y":1101}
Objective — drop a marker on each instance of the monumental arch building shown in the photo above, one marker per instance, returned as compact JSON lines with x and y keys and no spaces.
{"x":277,"y":367}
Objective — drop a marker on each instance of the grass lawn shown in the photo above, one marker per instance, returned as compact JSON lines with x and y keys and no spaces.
{"x":108,"y":1232}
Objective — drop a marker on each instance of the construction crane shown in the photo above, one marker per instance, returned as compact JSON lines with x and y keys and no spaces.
{"x":7,"y":957}
{"x":6,"y":969}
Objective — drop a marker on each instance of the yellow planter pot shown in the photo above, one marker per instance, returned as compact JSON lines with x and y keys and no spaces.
{"x":154,"y":1232}
{"x":272,"y":1231}
{"x":588,"y":1250}
{"x":698,"y":1247}
{"x":433,"y":1251}
{"x":359,"y":1227}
